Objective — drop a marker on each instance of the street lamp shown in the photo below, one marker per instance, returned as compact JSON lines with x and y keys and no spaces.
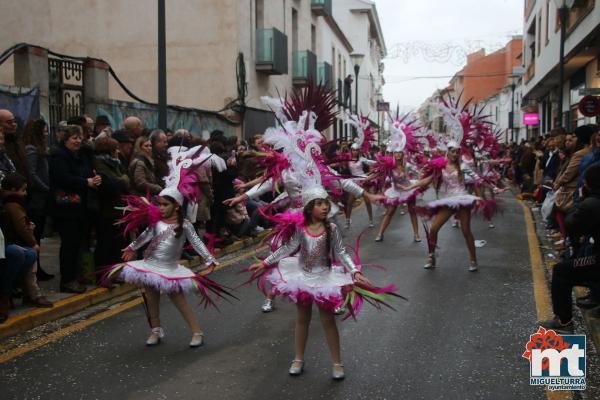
{"x":511,"y":123}
{"x":162,"y":66}
{"x":379,"y":98}
{"x":357,"y":59}
{"x":563,"y":13}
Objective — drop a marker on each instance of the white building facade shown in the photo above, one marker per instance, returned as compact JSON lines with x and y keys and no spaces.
{"x":541,"y":47}
{"x":222,"y":56}
{"x":360,"y":21}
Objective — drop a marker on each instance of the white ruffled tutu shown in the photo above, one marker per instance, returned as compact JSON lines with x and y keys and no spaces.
{"x":323,"y":286}
{"x":394,"y":197}
{"x":453,"y":202}
{"x":169,"y":279}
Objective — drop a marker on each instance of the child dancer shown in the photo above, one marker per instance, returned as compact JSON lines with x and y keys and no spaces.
{"x":312,"y":276}
{"x":160,"y":270}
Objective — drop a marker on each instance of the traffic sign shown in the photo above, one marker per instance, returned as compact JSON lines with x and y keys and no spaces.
{"x":589,"y":106}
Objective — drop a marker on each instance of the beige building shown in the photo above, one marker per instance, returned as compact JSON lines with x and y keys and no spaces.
{"x":222,"y":56}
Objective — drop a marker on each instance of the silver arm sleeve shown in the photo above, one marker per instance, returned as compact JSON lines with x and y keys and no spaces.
{"x":340,"y":250}
{"x":259,"y":189}
{"x":144,"y":238}
{"x":351,"y":187}
{"x":284,"y":250}
{"x":197,"y":244}
{"x":367,"y":161}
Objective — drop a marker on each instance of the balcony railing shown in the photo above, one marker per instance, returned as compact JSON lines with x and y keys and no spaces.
{"x":321,"y":7}
{"x":325,"y":74}
{"x":271,"y":51}
{"x":304,"y":67}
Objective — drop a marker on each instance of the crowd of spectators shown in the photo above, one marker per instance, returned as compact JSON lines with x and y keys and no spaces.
{"x":71,"y":184}
{"x":561,"y":173}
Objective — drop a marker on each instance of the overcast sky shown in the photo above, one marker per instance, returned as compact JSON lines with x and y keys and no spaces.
{"x":431,"y":37}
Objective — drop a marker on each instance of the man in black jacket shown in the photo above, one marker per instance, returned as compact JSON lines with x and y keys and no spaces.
{"x":550,"y":161}
{"x":583,"y":269}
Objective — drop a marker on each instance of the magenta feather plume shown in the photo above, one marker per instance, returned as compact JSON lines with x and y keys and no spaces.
{"x":434,"y":167}
{"x":488,"y":208}
{"x":329,"y":179}
{"x":312,"y":97}
{"x":188,"y":185}
{"x":211,"y":241}
{"x":285,"y":225}
{"x":274,"y":164}
{"x":138,"y":213}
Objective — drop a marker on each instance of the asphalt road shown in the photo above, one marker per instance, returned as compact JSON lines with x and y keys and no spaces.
{"x":460,"y":336}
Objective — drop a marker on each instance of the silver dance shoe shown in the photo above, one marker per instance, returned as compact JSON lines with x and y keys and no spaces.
{"x":197,"y":339}
{"x":430,"y":261}
{"x":337,"y":372}
{"x":296,"y":368}
{"x":155,"y":336}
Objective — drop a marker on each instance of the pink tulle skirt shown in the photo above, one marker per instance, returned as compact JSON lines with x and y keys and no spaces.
{"x":453,"y":202}
{"x":325,"y":287}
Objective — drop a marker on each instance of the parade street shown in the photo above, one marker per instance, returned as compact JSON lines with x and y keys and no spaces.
{"x":460,"y":336}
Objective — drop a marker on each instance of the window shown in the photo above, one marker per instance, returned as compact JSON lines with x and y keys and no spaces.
{"x":546,"y":22}
{"x":313,"y":38}
{"x":294,"y":29}
{"x":539,"y":33}
{"x":333,"y":74}
{"x":578,"y":12}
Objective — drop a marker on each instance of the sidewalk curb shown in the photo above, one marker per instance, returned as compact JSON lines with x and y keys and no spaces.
{"x":22,"y":322}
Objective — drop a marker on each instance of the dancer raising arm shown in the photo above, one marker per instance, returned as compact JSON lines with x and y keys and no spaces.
{"x":167,"y":232}
{"x":456,"y":200}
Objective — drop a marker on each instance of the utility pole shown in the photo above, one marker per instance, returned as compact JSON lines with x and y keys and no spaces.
{"x":162,"y":66}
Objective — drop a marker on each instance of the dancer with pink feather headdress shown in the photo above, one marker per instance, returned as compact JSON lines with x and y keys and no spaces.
{"x":452,"y":173}
{"x":399,"y":170}
{"x":365,"y":134}
{"x":167,"y":231}
{"x":298,"y":128}
{"x":309,"y":263}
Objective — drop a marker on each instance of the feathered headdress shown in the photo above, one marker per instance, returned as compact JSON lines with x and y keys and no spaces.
{"x":182,"y":181}
{"x":404,"y":136}
{"x":466,"y":124}
{"x":365,"y":134}
{"x":301,"y":118}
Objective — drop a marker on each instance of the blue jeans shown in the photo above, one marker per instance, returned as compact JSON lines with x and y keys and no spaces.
{"x":19,"y":260}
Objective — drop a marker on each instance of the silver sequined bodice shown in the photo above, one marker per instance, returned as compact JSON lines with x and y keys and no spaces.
{"x":165,"y":248}
{"x":453,"y":184}
{"x":313,"y":250}
{"x":399,"y":179}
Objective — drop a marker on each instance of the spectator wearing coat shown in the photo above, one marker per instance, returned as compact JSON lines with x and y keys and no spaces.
{"x":115,"y":184}
{"x":73,"y":187}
